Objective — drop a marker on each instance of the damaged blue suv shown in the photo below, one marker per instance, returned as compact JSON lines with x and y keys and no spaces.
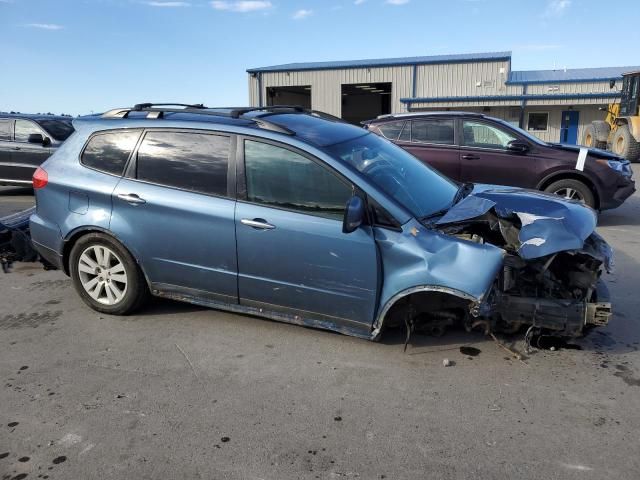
{"x":296,"y":216}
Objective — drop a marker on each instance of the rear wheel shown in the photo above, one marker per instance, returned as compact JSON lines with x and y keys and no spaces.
{"x":572,"y":190}
{"x":106,"y":276}
{"x":624,"y":144}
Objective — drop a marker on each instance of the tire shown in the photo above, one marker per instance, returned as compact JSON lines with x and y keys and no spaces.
{"x":596,"y":134}
{"x":106,"y":276}
{"x":590,"y":137}
{"x":574,"y":190}
{"x":624,"y":144}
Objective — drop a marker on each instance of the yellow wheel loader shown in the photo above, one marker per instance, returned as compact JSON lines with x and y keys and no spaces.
{"x":620,"y":131}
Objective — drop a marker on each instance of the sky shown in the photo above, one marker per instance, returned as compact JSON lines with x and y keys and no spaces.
{"x":83,"y":56}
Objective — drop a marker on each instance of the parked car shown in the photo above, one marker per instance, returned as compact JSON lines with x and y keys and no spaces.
{"x":26,"y":141}
{"x":472,"y":147}
{"x":295,"y":216}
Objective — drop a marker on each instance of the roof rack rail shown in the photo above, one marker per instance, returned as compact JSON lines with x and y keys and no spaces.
{"x":141,"y":106}
{"x":156,"y":111}
{"x":238,"y":112}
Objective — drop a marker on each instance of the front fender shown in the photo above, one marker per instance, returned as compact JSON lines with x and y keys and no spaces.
{"x":420,"y":259}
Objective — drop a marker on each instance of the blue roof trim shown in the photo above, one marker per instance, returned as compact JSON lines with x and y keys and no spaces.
{"x":573,"y":75}
{"x":387,"y":62}
{"x":491,"y":98}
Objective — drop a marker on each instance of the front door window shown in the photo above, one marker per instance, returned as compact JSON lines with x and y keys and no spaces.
{"x":482,"y":135}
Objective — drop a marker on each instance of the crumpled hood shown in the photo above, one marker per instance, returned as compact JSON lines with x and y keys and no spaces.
{"x":548,"y":223}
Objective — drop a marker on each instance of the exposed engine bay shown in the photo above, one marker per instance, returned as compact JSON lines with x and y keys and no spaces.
{"x":550,"y":280}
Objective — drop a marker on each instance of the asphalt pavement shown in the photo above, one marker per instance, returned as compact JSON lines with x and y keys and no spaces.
{"x":180,"y":391}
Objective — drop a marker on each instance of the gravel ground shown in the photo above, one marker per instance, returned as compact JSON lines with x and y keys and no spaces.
{"x":180,"y":391}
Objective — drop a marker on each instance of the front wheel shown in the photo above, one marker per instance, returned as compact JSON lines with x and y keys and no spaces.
{"x":106,"y":276}
{"x":572,"y":190}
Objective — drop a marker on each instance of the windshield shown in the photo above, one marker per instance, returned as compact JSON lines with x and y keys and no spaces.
{"x":524,"y":133}
{"x":58,"y":129}
{"x":417,"y":187}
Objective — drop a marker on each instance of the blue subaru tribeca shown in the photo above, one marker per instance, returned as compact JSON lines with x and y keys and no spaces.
{"x":296,"y":216}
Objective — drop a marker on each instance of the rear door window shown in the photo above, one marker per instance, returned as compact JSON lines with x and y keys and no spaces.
{"x":5,"y":130}
{"x":197,"y":162}
{"x":438,"y":131}
{"x":284,"y":179}
{"x":109,"y":151}
{"x":24,"y":128}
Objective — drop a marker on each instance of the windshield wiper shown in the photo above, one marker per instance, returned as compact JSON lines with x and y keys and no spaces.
{"x":464,"y":190}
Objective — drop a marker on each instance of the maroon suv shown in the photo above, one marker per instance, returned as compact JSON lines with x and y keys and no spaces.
{"x":471,"y":147}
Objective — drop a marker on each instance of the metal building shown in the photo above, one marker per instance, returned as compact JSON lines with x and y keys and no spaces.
{"x":552,"y":104}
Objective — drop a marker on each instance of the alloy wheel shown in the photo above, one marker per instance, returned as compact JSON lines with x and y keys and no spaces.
{"x":569,"y":194}
{"x":102,"y":274}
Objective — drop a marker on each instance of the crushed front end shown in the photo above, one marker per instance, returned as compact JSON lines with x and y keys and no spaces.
{"x":551,"y":275}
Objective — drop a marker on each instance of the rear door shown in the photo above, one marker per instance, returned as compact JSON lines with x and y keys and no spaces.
{"x":292,"y":253}
{"x":485,"y":158}
{"x":432,"y":140}
{"x":26,"y":157}
{"x":175,"y":210}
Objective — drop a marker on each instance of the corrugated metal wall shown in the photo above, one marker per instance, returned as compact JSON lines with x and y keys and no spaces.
{"x":464,"y":79}
{"x":326,"y":85}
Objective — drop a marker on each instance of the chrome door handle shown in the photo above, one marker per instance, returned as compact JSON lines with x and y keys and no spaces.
{"x":471,"y":157}
{"x":17,"y":148}
{"x":258,"y":223}
{"x":131,"y":198}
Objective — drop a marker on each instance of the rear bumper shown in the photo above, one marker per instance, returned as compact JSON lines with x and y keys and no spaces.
{"x":618,"y":194}
{"x":51,"y":257}
{"x":47,"y":240}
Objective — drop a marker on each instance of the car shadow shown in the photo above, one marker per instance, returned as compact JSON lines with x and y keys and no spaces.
{"x":15,"y":191}
{"x":165,"y":306}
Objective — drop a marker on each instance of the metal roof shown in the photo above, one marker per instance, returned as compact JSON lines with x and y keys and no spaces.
{"x":386,"y":62}
{"x":569,"y":75}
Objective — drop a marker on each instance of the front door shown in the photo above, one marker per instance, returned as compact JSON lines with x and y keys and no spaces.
{"x":176,"y":213}
{"x":569,"y":127}
{"x":485,"y":157}
{"x":292,"y":254}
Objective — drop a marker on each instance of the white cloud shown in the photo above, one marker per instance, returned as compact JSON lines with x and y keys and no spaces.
{"x":301,"y":14}
{"x":241,"y":6}
{"x":45,"y":26}
{"x":556,"y":8}
{"x":168,"y":4}
{"x":359,"y":2}
{"x":397,"y":2}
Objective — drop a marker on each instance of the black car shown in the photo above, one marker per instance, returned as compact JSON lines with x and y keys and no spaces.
{"x":472,"y":147}
{"x":26,"y":141}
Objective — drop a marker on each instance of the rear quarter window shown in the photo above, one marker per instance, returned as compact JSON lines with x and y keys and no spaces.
{"x":109,"y":151}
{"x":391,"y":130}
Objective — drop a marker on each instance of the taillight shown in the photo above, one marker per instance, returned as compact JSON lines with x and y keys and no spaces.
{"x":40,"y":178}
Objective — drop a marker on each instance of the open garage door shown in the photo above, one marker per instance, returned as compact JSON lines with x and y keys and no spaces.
{"x":365,"y":101}
{"x":298,"y":95}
